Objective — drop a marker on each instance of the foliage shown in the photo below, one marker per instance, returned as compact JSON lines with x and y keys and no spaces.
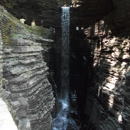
{"x":38,"y":31}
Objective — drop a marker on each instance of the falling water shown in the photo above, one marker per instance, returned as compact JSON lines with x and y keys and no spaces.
{"x":61,"y":121}
{"x":65,"y":54}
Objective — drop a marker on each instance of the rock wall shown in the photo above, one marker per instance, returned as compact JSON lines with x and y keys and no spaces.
{"x":106,"y":48}
{"x":111,"y":73}
{"x":26,"y":88}
{"x":1,"y":63}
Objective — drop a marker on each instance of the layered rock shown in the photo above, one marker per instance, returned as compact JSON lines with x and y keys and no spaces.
{"x":27,"y":89}
{"x":109,"y":52}
{"x":111,"y":63}
{"x":126,"y":111}
{"x":1,"y":64}
{"x":108,"y":44}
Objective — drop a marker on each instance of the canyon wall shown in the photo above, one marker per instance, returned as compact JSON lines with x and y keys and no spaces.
{"x":99,"y":66}
{"x":1,"y":63}
{"x":110,"y":49}
{"x":24,"y":73}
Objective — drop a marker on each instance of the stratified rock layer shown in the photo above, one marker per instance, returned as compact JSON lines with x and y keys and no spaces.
{"x":1,"y":64}
{"x":26,"y":89}
{"x":110,"y":82}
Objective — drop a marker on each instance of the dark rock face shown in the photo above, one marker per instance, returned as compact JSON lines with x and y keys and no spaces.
{"x":108,"y":44}
{"x":102,"y":81}
{"x":86,"y":13}
{"x":83,"y":13}
{"x":50,"y":12}
{"x":126,"y":111}
{"x":1,"y":65}
{"x":25,"y":86}
{"x":106,"y":100}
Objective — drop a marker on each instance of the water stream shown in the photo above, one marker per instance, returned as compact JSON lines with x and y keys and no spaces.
{"x":65,"y":55}
{"x":63,"y":121}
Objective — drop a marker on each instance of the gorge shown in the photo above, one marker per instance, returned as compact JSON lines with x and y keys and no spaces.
{"x":81,"y":74}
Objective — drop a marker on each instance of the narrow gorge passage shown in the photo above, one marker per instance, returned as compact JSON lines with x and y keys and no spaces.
{"x":69,"y":72}
{"x":62,"y":121}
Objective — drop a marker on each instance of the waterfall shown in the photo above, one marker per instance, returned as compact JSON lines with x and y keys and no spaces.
{"x":62,"y":120}
{"x":65,"y":54}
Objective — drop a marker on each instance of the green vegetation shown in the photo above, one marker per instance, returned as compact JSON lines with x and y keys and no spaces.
{"x":11,"y":26}
{"x":38,"y":31}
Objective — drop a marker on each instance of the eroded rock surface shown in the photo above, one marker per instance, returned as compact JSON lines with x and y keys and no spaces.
{"x":111,"y":77}
{"x":26,"y":88}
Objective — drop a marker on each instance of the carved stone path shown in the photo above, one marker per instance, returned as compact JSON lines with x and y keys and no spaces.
{"x":6,"y":120}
